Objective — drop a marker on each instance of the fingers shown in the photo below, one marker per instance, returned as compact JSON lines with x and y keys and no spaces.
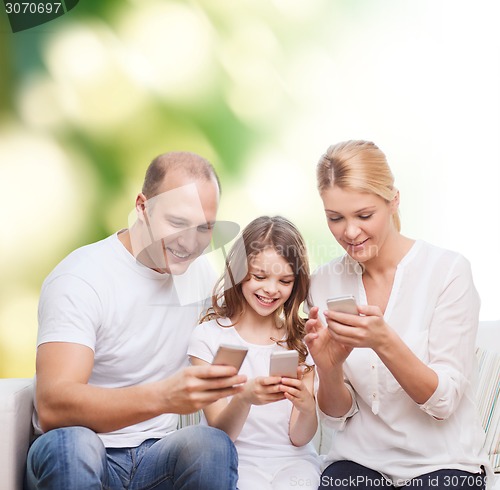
{"x":269,"y":380}
{"x":208,"y":371}
{"x":309,"y":339}
{"x":313,"y":324}
{"x":369,"y":310}
{"x":313,"y":313}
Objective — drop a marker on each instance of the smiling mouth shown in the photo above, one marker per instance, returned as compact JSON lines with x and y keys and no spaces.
{"x":356,"y":244}
{"x":267,"y":301}
{"x":177,"y":254}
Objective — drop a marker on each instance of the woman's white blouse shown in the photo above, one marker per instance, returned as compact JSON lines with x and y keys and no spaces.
{"x":434,"y":307}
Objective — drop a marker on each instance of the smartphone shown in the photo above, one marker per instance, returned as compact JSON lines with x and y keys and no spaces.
{"x":284,"y":363}
{"x":230,"y":355}
{"x":343,"y":304}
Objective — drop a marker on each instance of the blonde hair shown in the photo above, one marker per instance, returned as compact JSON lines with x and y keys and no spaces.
{"x":360,"y":166}
{"x":262,"y":233}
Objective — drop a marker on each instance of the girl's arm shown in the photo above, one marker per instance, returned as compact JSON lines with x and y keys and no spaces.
{"x":230,"y":416}
{"x":303,"y":420}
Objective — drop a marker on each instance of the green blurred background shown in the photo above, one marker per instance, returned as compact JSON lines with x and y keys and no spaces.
{"x":260,"y":88}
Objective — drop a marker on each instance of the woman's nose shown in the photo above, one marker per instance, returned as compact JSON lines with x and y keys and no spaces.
{"x":352,"y":231}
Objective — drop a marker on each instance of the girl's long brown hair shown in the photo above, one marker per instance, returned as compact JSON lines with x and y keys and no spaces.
{"x":281,"y":235}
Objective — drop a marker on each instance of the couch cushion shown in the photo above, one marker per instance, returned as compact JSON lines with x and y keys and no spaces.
{"x":488,"y":389}
{"x":16,"y":407}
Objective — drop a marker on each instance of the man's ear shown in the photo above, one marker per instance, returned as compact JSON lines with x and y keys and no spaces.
{"x":140,"y":206}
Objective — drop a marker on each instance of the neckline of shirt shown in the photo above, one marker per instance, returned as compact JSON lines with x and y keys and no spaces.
{"x":226,"y":323}
{"x":134,"y":264}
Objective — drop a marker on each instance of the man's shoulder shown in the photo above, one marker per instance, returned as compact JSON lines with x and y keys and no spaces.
{"x":212,"y":330}
{"x":85,"y":260}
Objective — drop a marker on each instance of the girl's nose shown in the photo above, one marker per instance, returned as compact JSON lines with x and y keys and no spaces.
{"x":270,"y":287}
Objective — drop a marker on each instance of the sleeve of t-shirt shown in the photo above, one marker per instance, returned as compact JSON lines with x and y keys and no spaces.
{"x":202,"y":344}
{"x":69,"y":311}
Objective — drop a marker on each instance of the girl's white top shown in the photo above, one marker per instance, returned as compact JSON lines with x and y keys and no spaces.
{"x":265,"y":433}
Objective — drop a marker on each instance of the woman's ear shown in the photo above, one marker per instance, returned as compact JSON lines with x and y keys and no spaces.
{"x":395,"y":203}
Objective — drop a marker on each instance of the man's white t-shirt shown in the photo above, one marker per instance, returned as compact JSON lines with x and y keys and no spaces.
{"x":434,"y":308}
{"x":130,"y":316}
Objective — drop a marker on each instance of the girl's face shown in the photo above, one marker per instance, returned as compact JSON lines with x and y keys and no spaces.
{"x":359,"y":221}
{"x":270,"y":282}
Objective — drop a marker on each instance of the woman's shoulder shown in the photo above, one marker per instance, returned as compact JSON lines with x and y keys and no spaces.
{"x":439,"y":255}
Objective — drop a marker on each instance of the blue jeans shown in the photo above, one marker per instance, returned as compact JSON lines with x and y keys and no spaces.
{"x":196,"y":457}
{"x":347,"y":474}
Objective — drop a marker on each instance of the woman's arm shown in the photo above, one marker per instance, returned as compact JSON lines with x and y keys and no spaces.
{"x":334,"y":399}
{"x":438,"y":384}
{"x":370,"y":330}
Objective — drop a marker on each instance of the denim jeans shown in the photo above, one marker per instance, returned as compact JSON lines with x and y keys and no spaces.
{"x":196,"y":457}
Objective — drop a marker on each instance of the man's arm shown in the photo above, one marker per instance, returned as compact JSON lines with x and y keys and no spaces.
{"x":64,"y":397}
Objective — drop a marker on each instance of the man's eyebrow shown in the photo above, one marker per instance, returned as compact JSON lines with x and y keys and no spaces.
{"x":176,"y":217}
{"x":182,"y":219}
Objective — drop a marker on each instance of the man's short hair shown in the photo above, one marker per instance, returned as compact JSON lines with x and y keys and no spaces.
{"x":191,"y":163}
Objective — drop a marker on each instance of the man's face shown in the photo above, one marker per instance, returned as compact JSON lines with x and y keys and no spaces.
{"x":176,"y":225}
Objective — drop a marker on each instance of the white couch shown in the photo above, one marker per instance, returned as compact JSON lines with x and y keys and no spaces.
{"x":16,"y":407}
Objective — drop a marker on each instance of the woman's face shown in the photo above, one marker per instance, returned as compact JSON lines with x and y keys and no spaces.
{"x":359,"y":221}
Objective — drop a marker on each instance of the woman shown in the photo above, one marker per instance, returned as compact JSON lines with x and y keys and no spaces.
{"x":394,"y":380}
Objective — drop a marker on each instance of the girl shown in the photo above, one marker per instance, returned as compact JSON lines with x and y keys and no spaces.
{"x":395,"y":379}
{"x":256,"y":305}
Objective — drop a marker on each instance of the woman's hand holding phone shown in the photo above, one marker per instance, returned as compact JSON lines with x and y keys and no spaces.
{"x":367,"y":328}
{"x":325,"y":350}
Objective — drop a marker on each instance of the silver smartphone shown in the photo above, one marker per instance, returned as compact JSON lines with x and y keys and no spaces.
{"x":284,"y":363}
{"x":343,"y":304}
{"x":230,"y":355}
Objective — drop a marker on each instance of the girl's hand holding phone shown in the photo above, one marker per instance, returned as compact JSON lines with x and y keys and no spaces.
{"x":296,"y":391}
{"x":262,"y":390}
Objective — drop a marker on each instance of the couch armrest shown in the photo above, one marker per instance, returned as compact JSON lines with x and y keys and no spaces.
{"x":16,"y":409}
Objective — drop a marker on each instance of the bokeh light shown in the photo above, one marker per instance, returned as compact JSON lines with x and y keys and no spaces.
{"x":261,"y":88}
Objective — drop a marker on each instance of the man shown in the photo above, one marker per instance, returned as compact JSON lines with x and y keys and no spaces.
{"x":111,"y":357}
